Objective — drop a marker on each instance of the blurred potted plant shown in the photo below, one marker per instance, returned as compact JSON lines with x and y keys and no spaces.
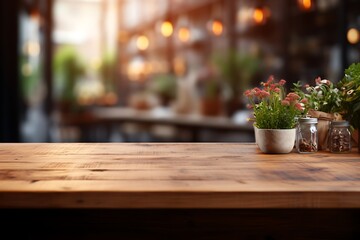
{"x":68,"y":69}
{"x":107,"y":75}
{"x":237,"y":70}
{"x":350,"y":93}
{"x":164,"y":86}
{"x":209,"y":89}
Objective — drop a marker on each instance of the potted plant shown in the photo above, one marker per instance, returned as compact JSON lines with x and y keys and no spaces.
{"x":209,"y":89}
{"x":237,"y":70}
{"x":68,"y":69}
{"x":350,"y":93}
{"x":164,"y":86}
{"x":107,"y":72}
{"x":274,"y":115}
{"x":323,"y":101}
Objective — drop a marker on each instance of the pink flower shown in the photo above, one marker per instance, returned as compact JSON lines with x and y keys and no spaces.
{"x":257,"y":89}
{"x":305,"y":100}
{"x":285,"y":102}
{"x":282,"y":82}
{"x":307,"y":85}
{"x":299,"y":107}
{"x":277,"y":90}
{"x":270,"y":79}
{"x":249,"y":106}
{"x":293,"y":97}
{"x":263,"y":94}
{"x":248,"y":93}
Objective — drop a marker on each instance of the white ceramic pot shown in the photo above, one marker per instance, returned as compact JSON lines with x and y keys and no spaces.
{"x":275,"y":140}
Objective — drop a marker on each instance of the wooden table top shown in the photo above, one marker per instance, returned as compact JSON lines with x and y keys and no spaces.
{"x":173,"y":175}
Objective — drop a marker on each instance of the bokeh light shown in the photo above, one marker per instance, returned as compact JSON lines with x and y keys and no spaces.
{"x":142,"y":43}
{"x":305,"y":4}
{"x":217,"y":27}
{"x":184,"y":34}
{"x":167,"y":29}
{"x":353,"y":36}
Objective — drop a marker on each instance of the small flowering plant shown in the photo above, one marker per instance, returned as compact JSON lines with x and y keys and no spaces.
{"x":324,"y":96}
{"x":273,"y":109}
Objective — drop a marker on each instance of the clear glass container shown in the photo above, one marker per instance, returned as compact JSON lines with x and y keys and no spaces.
{"x":307,"y":135}
{"x":340,"y":137}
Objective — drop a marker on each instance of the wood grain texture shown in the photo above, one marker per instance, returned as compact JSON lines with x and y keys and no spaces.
{"x":174,"y":175}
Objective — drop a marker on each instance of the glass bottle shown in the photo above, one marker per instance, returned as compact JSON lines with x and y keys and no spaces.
{"x":307,"y":135}
{"x":340,"y":137}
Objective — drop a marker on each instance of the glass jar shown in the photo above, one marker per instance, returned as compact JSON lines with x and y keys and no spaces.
{"x":340,"y":137}
{"x":307,"y":135}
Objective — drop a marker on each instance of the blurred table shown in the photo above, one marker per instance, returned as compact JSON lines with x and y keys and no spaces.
{"x":110,"y":116}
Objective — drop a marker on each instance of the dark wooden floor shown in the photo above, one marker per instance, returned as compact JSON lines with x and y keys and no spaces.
{"x":181,"y":224}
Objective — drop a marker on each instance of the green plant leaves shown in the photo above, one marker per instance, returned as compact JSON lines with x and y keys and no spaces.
{"x":350,"y":90}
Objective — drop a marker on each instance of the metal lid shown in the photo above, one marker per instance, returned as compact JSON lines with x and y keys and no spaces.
{"x":308,"y":120}
{"x":340,"y":123}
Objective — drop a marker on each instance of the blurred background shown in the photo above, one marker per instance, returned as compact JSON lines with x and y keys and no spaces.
{"x":159,"y":70}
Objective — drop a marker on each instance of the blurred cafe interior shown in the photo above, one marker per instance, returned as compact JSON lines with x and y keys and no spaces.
{"x":159,"y":70}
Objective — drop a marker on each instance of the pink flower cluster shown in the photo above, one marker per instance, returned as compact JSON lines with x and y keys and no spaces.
{"x":269,"y":87}
{"x":272,"y":88}
{"x":273,"y":108}
{"x":292,"y":99}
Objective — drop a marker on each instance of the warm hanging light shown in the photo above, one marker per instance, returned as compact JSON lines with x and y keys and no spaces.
{"x":353,"y":36}
{"x":305,"y":5}
{"x":217,"y":27}
{"x":142,"y":43}
{"x":184,"y":34}
{"x":167,"y":29}
{"x":260,"y":15}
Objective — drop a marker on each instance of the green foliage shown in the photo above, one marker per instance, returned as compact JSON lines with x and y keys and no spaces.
{"x":324,"y":96}
{"x":212,"y":89}
{"x":208,"y":83}
{"x":237,"y":70}
{"x":350,"y":93}
{"x":68,"y":68}
{"x":164,"y":85}
{"x":31,"y":80}
{"x":107,"y":70}
{"x":275,"y":116}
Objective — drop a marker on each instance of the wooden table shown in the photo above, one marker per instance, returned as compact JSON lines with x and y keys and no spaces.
{"x":170,"y":191}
